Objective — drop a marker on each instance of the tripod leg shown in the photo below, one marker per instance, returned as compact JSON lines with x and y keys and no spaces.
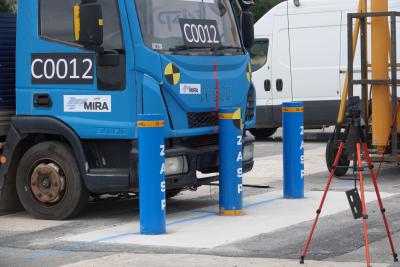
{"x":335,"y":163}
{"x":364,"y":208}
{"x":378,"y":195}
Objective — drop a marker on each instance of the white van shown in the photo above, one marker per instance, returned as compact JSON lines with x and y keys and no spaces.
{"x":300,"y":54}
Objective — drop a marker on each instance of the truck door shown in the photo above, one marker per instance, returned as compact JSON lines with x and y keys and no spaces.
{"x":84,"y":89}
{"x":261,"y":68}
{"x":281,"y":78}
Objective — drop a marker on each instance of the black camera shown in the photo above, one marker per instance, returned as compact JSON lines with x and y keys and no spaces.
{"x":353,"y":108}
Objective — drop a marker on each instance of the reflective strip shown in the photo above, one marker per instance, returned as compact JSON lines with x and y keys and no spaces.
{"x":3,"y":160}
{"x":293,"y":109}
{"x":77,"y":22}
{"x":231,"y":116}
{"x":150,"y":124}
{"x":249,"y":72}
{"x":225,"y":116}
{"x":231,"y":213}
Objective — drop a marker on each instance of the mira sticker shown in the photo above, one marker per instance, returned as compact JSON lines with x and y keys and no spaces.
{"x":87,"y":103}
{"x":190,"y":89}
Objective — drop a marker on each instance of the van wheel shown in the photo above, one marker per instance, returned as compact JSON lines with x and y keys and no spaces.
{"x":263,"y":132}
{"x":48,"y":182}
{"x":330,"y":155}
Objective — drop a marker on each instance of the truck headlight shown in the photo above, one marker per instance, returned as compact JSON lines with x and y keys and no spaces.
{"x":248,"y":152}
{"x":176,"y":165}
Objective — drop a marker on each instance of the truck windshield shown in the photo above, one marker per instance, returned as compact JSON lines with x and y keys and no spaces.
{"x":189,"y":26}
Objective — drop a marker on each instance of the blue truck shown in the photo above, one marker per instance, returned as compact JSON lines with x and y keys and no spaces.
{"x":75,"y":74}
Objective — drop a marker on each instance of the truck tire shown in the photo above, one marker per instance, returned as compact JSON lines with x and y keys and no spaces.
{"x":263,"y":132}
{"x":330,"y":155}
{"x":172,"y":193}
{"x":49,"y":183}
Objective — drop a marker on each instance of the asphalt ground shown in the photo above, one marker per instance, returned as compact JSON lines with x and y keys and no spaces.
{"x":338,"y":239}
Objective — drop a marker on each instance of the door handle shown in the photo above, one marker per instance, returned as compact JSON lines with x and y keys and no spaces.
{"x":42,"y":101}
{"x":279,"y":85}
{"x":267,"y":85}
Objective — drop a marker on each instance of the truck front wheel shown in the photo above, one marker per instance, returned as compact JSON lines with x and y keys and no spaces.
{"x":263,"y":132}
{"x":48,"y":182}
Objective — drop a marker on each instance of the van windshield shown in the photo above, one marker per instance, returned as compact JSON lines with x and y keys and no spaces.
{"x":189,"y":26}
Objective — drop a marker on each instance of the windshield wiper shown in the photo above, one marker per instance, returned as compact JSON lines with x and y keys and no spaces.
{"x":227,"y":47}
{"x":179,"y":48}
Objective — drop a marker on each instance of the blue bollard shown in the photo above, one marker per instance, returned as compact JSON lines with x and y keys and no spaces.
{"x":230,"y":162}
{"x":151,"y":174}
{"x":293,"y":149}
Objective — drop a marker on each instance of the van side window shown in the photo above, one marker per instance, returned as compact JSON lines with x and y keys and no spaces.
{"x":259,"y":54}
{"x":56,"y":24}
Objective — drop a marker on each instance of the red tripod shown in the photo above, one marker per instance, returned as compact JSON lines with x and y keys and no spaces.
{"x":359,"y":143}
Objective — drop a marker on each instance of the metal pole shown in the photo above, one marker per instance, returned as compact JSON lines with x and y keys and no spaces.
{"x":393,"y":61}
{"x":362,"y":7}
{"x":230,"y":162}
{"x":350,"y":55}
{"x":364,"y":66}
{"x":293,"y":149}
{"x":381,"y":119}
{"x":151,"y":174}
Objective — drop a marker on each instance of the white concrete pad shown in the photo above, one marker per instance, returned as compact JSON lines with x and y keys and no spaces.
{"x":263,"y":175}
{"x":178,"y":260}
{"x":205,"y":229}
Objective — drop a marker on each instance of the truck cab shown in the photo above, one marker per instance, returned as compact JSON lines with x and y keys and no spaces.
{"x":86,"y":69}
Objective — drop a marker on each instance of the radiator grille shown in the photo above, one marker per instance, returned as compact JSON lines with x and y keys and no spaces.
{"x":202,"y":119}
{"x":7,"y":61}
{"x":251,"y":105}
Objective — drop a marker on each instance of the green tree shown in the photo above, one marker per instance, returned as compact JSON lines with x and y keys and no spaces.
{"x":8,"y":5}
{"x":262,"y":7}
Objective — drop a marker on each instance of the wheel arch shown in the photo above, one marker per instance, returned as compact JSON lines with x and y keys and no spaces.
{"x":27,"y":131}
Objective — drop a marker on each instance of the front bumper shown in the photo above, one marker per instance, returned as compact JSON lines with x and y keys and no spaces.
{"x":202,"y":155}
{"x":202,"y":159}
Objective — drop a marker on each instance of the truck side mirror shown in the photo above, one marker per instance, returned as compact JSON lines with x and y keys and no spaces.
{"x":247,"y":21}
{"x":88,"y":24}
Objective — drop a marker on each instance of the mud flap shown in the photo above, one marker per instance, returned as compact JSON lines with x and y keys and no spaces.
{"x":9,"y":202}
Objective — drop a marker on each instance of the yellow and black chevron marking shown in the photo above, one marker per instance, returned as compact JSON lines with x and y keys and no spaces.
{"x":249,"y":72}
{"x":172,"y":74}
{"x":236,"y":117}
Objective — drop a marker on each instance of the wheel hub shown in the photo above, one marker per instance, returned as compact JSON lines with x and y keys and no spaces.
{"x":47,"y":183}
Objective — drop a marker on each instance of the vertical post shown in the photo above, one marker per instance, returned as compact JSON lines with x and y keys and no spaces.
{"x":350,"y":54}
{"x":151,"y":174}
{"x":393,"y":68}
{"x":230,"y":162}
{"x":381,"y":119}
{"x":364,"y":66}
{"x":293,"y":150}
